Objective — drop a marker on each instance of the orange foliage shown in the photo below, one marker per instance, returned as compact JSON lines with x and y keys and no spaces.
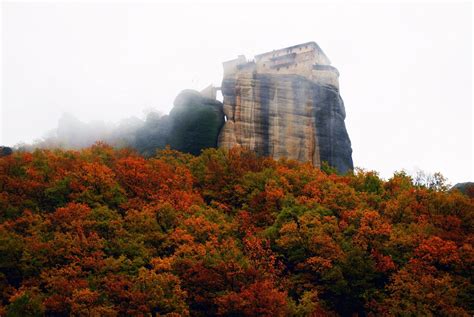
{"x":106,"y":232}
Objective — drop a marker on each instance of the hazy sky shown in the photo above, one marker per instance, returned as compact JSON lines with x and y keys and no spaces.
{"x":406,"y":69}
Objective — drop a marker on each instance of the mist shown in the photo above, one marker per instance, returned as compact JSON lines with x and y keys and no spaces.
{"x":405,"y":70}
{"x":145,"y":135}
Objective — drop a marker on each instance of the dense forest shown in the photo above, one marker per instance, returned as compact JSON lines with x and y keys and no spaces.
{"x":107,"y":232}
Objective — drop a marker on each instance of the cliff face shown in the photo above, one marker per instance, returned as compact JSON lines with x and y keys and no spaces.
{"x":286,"y":116}
{"x":285,"y":103}
{"x":192,"y":125}
{"x":196,"y":122}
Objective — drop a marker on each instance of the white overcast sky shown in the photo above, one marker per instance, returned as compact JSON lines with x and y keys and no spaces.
{"x":406,"y":69}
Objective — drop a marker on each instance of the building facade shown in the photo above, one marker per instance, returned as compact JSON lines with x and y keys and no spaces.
{"x":305,"y":59}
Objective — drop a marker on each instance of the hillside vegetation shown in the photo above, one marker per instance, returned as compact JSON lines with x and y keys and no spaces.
{"x":104,"y":232}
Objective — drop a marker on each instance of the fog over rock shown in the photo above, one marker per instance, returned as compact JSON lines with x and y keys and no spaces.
{"x":192,"y":125}
{"x":196,"y":122}
{"x":283,"y":104}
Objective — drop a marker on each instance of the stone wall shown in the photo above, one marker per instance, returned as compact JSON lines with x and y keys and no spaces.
{"x":298,"y":59}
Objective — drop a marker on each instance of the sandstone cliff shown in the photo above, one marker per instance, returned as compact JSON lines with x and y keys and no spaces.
{"x":291,"y":109}
{"x":283,"y":103}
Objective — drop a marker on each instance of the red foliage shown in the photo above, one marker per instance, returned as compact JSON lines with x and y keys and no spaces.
{"x":258,"y":299}
{"x":105,"y":232}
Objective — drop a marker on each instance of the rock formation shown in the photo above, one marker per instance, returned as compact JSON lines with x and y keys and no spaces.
{"x":286,"y":103}
{"x":5,"y":151}
{"x":196,"y":122}
{"x":466,"y":188}
{"x":192,"y":125}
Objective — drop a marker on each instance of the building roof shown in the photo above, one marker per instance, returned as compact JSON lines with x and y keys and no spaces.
{"x":312,"y":43}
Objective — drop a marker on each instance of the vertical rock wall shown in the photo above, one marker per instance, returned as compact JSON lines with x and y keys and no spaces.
{"x":285,"y":116}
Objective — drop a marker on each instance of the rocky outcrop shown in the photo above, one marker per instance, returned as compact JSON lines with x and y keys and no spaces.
{"x":196,"y":122}
{"x":466,"y":188}
{"x":284,"y":103}
{"x":286,"y":116}
{"x":5,"y":151}
{"x":280,"y":113}
{"x":192,"y":125}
